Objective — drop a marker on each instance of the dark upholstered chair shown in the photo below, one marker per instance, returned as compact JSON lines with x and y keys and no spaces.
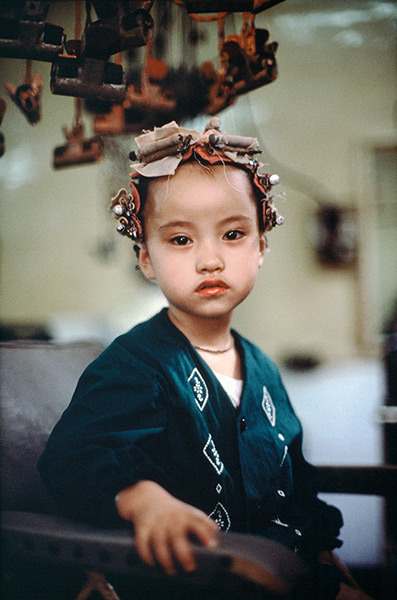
{"x":37,"y":382}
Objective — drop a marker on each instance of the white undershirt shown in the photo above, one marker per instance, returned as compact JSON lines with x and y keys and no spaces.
{"x":232,"y":386}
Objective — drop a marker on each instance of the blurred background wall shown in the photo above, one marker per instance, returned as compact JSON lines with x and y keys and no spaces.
{"x":327,"y":127}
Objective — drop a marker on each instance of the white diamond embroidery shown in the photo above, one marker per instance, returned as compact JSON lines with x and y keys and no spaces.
{"x":199,"y":388}
{"x":268,"y":406}
{"x":212,"y":454}
{"x":221,"y":517}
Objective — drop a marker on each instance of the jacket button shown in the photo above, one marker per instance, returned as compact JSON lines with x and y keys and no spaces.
{"x":243,"y":425}
{"x":298,"y":533}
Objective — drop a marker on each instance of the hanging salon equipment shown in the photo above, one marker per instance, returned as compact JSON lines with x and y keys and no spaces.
{"x":28,"y":35}
{"x":246,"y":62}
{"x":27,"y":96}
{"x":157,"y":91}
{"x":126,"y":25}
{"x":77,"y":150}
{"x":250,"y":59}
{"x":85,"y":72}
{"x":208,"y":6}
{"x":146,"y":98}
{"x":150,"y":95}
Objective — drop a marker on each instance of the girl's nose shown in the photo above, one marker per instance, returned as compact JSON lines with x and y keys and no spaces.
{"x":209,"y":259}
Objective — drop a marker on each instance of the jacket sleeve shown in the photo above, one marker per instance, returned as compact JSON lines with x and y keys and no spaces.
{"x":108,"y":437}
{"x":325,"y":520}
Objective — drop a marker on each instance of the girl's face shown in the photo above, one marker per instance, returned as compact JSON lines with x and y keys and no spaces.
{"x":203,"y":244}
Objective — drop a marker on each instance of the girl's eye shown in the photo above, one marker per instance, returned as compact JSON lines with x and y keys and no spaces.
{"x":180,"y":240}
{"x":233,"y":235}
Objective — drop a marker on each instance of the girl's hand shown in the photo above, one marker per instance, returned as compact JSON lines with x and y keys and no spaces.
{"x":163,"y":525}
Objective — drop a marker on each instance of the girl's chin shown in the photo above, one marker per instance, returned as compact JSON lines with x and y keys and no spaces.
{"x":208,"y":312}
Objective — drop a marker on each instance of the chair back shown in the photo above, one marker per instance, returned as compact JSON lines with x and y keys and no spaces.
{"x":36,"y":385}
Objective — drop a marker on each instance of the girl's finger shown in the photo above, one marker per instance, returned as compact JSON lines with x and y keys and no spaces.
{"x":183,"y":552}
{"x":206,"y":530}
{"x":143,"y":545}
{"x":162,"y":550}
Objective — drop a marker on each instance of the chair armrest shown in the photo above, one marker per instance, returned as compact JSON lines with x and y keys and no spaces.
{"x":48,"y":538}
{"x":378,"y":480}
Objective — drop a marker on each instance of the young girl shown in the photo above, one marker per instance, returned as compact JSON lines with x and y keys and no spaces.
{"x":182,"y":426}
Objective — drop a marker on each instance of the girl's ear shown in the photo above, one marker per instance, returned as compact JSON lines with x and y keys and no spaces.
{"x":262,"y":248}
{"x":145,"y":263}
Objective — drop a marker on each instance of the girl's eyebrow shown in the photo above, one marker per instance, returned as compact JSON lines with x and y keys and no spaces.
{"x":235,"y":218}
{"x":176,"y":224}
{"x":223,"y":222}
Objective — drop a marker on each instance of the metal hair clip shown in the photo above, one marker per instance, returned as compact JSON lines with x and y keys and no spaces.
{"x":125,"y":209}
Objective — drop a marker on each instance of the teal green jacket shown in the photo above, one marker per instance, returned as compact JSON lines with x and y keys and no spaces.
{"x":150,"y":408}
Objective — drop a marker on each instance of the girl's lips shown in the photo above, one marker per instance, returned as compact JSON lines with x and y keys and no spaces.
{"x":212,"y":287}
